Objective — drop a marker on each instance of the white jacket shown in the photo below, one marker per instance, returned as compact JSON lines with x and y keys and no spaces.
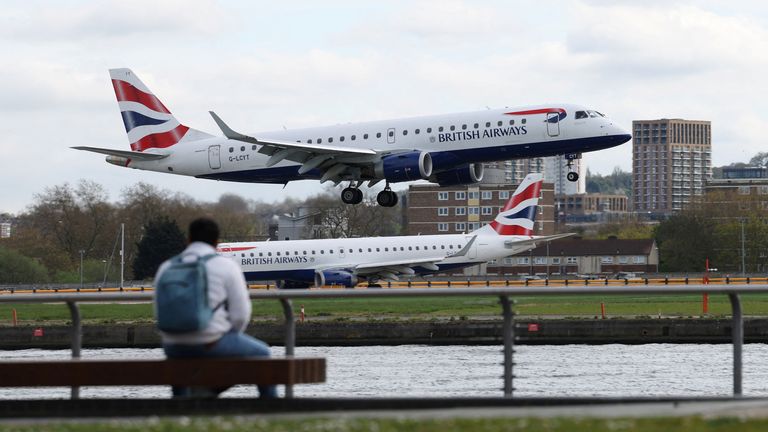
{"x":225,"y":282}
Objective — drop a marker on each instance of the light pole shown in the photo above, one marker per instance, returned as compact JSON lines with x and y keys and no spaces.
{"x":82,"y":252}
{"x":743,"y":266}
{"x":104,"y":282}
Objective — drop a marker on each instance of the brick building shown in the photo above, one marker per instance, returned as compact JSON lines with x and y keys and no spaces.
{"x":452,"y":210}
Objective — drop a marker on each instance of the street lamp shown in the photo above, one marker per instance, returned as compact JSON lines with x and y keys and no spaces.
{"x":82,"y":252}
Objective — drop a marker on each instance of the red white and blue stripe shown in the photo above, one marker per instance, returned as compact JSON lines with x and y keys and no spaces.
{"x":518,"y":216}
{"x":148,"y":123}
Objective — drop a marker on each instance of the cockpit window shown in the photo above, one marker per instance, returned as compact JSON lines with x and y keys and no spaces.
{"x":581,"y":115}
{"x":592,"y":113}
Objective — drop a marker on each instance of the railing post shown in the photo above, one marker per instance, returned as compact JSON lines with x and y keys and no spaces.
{"x":509,"y":341}
{"x":290,"y":337}
{"x":737,"y":335}
{"x":76,"y":336}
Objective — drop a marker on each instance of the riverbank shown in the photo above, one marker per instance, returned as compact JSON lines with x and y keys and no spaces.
{"x":439,"y":332}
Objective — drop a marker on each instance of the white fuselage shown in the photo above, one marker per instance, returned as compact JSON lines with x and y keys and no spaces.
{"x":452,"y":140}
{"x":299,"y":260}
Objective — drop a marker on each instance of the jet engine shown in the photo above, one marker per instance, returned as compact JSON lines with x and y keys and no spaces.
{"x":335,"y":277}
{"x":408,"y":166}
{"x":463,"y":175}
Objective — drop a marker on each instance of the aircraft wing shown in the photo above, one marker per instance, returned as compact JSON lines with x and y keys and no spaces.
{"x":124,"y":153}
{"x":337,"y":162}
{"x":535,"y":240}
{"x":391,"y":270}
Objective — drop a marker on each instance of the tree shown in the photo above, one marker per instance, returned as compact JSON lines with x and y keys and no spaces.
{"x":618,"y":182}
{"x":685,"y":242}
{"x":16,"y":268}
{"x":162,"y":239}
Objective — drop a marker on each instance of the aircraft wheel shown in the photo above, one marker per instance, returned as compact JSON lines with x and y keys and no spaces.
{"x":572,"y":176}
{"x":387,"y":198}
{"x":358,"y":197}
{"x":349,"y":195}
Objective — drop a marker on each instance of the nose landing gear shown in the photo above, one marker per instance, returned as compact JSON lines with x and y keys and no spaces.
{"x":572,"y":176}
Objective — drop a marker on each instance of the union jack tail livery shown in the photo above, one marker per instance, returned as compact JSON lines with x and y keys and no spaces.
{"x":518,"y":216}
{"x":148,"y":123}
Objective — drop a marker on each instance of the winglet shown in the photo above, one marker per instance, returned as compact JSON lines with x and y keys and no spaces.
{"x":226,"y":130}
{"x":466,"y":247}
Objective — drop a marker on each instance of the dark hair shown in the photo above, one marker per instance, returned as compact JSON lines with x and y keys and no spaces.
{"x":204,"y":230}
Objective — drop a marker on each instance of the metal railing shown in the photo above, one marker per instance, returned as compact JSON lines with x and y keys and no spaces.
{"x":504,"y":293}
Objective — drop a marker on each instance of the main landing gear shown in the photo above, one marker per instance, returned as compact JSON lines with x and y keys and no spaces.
{"x":387,"y":198}
{"x":572,"y":176}
{"x":352,"y":195}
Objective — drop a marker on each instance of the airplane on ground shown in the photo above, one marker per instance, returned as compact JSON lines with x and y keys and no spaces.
{"x":444,"y":149}
{"x":346,"y":262}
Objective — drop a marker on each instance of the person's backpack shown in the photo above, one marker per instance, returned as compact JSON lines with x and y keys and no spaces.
{"x":181,"y":295}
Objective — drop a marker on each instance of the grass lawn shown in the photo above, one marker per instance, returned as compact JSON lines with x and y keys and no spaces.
{"x":681,"y":424}
{"x":418,"y":308}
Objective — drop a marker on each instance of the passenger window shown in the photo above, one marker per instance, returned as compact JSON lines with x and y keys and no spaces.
{"x":405,"y":132}
{"x":350,"y":251}
{"x":305,"y":252}
{"x":378,"y":134}
{"x":322,"y":252}
{"x":477,"y":125}
{"x":450,"y":246}
{"x":522,"y":121}
{"x":378,"y":250}
{"x":278,"y":254}
{"x":330,"y":140}
{"x":319,"y":140}
{"x":429,"y":130}
{"x":434,"y":247}
{"x":353,"y":137}
{"x":253,"y":147}
{"x":410,"y":248}
{"x":487,"y":124}
{"x":453,"y":128}
{"x":386,"y":249}
{"x":231,"y":149}
{"x":442,"y":246}
{"x":341,"y":139}
{"x":313,"y":252}
{"x":295,"y":252}
{"x":269,"y":253}
{"x":361,"y":250}
{"x":369,"y":249}
{"x":309,"y":141}
{"x":392,"y":133}
{"x":511,"y":122}
{"x":242,"y":148}
{"x":261,"y":254}
{"x":365,"y":136}
{"x":416,"y":131}
{"x":463,"y":127}
{"x":417,"y":248}
{"x":402,"y":248}
{"x":440,"y":129}
{"x":499,"y":123}
{"x":330,"y":251}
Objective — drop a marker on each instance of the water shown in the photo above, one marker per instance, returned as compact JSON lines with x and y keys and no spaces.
{"x":445,"y":371}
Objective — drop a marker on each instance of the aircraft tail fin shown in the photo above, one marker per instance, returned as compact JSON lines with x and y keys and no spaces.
{"x":148,"y":123}
{"x":519,"y":214}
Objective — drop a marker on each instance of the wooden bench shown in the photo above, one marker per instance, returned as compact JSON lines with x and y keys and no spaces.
{"x":213,"y":372}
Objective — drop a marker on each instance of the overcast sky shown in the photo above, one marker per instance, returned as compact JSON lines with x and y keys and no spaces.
{"x":268,"y":65}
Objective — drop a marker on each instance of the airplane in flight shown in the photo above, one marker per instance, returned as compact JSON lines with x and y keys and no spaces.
{"x":445,"y":149}
{"x":347,"y":262}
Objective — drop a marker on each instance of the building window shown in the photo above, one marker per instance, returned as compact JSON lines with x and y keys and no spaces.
{"x":474,"y":210}
{"x":461,"y":211}
{"x":487,"y":195}
{"x":442,"y":196}
{"x":473,"y":226}
{"x":762,"y":190}
{"x":606,"y":260}
{"x":571,"y":260}
{"x":556,"y":260}
{"x":461,"y":226}
{"x":623,"y":259}
{"x":442,"y":227}
{"x":508,"y":260}
{"x":461,"y":195}
{"x":540,"y":260}
{"x":522,"y":260}
{"x":442,"y":211}
{"x":503,"y":195}
{"x":743,"y":190}
{"x":639,"y":259}
{"x":487,"y":210}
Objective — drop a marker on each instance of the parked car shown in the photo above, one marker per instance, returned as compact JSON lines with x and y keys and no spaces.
{"x":624,"y":276}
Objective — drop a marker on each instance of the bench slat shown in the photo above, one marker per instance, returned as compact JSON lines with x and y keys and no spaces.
{"x":202,"y":372}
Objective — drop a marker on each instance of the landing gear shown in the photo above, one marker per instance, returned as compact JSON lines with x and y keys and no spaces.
{"x":352,"y":195}
{"x":387,"y":198}
{"x":572,"y":176}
